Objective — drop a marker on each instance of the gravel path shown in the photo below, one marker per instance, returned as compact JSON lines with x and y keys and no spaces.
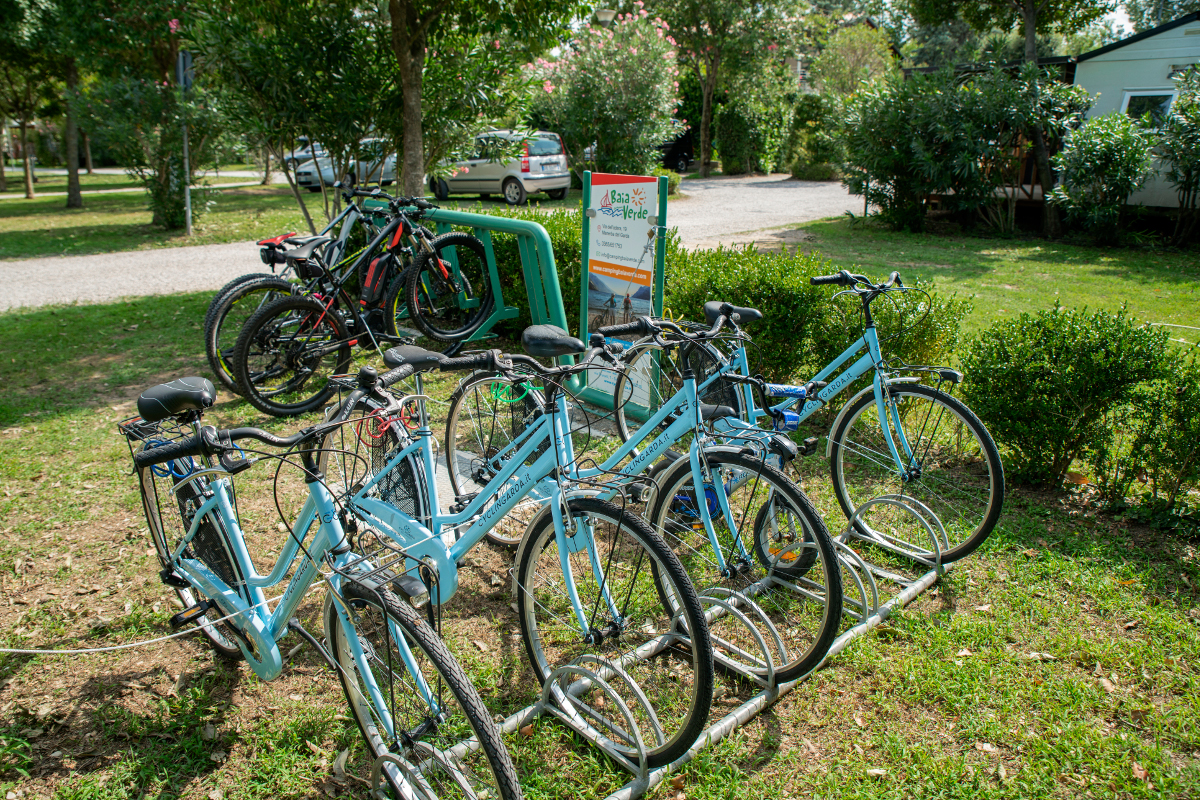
{"x":736,"y":210}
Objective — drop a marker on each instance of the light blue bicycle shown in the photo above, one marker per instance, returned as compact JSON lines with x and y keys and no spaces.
{"x":594,"y":581}
{"x":896,"y":437}
{"x":750,"y":541}
{"x":425,"y":727}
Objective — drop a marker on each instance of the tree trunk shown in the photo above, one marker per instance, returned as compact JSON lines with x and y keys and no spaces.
{"x":1051,"y":225}
{"x":408,"y":45}
{"x":87,"y":151}
{"x":74,"y":195}
{"x":708,"y":82}
{"x":3,"y":155}
{"x":266,"y":181}
{"x":29,"y":195}
{"x":287,"y":174}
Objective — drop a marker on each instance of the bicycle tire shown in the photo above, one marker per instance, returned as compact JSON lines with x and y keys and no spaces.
{"x":483,"y":418}
{"x":807,"y":631}
{"x":703,"y":359}
{"x":461,"y":712}
{"x":291,"y":337}
{"x":433,"y":306}
{"x":650,"y":606}
{"x":229,"y":312}
{"x":212,"y":537}
{"x":858,"y":479}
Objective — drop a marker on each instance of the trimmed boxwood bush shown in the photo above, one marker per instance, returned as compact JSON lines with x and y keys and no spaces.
{"x":1046,"y":384}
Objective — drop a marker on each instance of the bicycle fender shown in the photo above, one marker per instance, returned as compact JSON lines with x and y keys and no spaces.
{"x":838,"y":420}
{"x":417,"y":542}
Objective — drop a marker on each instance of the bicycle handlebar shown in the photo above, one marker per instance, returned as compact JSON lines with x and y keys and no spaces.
{"x":844,"y":278}
{"x":209,"y":443}
{"x":485,"y":360}
{"x":639,"y":327}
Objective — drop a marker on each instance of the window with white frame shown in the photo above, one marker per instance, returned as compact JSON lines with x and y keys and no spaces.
{"x":1155,"y":102}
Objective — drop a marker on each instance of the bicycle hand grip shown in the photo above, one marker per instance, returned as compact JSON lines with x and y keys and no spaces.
{"x":637,"y":327}
{"x":398,"y":374}
{"x":476,"y":361}
{"x":160,"y":454}
{"x":841,"y":279}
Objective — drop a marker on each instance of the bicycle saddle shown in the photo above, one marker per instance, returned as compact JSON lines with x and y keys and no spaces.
{"x":712,"y":310}
{"x":418,"y":357}
{"x":176,"y":397}
{"x":305,"y":250}
{"x":548,"y":341}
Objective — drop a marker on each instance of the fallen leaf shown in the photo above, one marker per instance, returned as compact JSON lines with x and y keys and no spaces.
{"x":876,"y":773}
{"x":483,"y":648}
{"x":810,"y":747}
{"x":495,"y":580}
{"x":1107,"y":685}
{"x":677,"y":782}
{"x":216,"y":794}
{"x":1076,"y":479}
{"x":1139,"y":771}
{"x":1139,"y":715}
{"x":1131,"y":625}
{"x":527,"y":731}
{"x":217,"y":756}
{"x":984,"y":608}
{"x":210,"y":732}
{"x":1127,"y":583}
{"x":316,"y":751}
{"x":964,"y":652}
{"x":985,"y":747}
{"x":339,"y":766}
{"x":858,"y":721}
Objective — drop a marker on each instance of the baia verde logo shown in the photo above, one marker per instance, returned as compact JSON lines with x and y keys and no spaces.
{"x":624,"y":205}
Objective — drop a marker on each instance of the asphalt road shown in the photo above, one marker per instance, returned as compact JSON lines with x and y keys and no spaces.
{"x":715,"y":210}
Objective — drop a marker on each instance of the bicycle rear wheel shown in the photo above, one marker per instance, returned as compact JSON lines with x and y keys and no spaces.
{"x":487,"y":413}
{"x":412,"y":701}
{"x":286,"y":354}
{"x":776,"y":551}
{"x":228,"y":315}
{"x":954,"y":468}
{"x":450,"y":307}
{"x":169,"y":517}
{"x":636,"y":596}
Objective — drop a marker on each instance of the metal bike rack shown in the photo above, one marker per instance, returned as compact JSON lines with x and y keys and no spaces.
{"x":867,"y":613}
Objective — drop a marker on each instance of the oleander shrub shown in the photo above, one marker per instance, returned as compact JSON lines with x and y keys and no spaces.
{"x":1047,"y":384}
{"x":1102,"y":163}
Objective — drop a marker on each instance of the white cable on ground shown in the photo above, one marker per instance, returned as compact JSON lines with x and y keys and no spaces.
{"x":131,"y":645}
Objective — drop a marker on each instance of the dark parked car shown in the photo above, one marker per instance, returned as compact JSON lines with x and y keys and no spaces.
{"x":677,"y":155}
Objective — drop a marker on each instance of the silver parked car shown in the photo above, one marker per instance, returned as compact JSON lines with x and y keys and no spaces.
{"x":542,"y":168}
{"x":374,"y":167}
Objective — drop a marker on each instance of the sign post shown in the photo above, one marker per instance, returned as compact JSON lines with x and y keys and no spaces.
{"x":183,"y":72}
{"x":624,"y":252}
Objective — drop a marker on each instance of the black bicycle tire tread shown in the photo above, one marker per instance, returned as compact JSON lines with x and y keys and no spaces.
{"x":688,"y":597}
{"x":465,"y":693}
{"x":989,"y":445}
{"x":821,"y":534}
{"x":486,"y":298}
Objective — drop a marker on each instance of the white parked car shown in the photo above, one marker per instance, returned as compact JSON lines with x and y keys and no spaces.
{"x":375,"y":168}
{"x":305,"y":152}
{"x":542,"y":168}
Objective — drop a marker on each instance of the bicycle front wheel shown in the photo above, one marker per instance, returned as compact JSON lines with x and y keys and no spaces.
{"x":228,"y":315}
{"x":412,"y":701}
{"x":449,"y":291}
{"x":951,"y":465}
{"x":487,"y":413}
{"x":640,"y":612}
{"x":286,"y":354}
{"x":775,"y":551}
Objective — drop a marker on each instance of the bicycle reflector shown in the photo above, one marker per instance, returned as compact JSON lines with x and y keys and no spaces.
{"x":787,"y":421}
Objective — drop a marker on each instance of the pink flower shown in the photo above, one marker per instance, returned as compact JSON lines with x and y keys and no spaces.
{"x":548,"y":86}
{"x":497,"y":44}
{"x":772,"y":47}
{"x":676,"y":84}
{"x":633,"y":50}
{"x":173,"y":25}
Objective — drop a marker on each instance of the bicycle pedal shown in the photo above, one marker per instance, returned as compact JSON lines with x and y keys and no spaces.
{"x":172,"y":578}
{"x":190,"y":615}
{"x":809,"y":447}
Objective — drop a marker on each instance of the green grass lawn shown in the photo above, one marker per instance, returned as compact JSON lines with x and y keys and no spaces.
{"x":1004,"y":277}
{"x":1061,"y":660}
{"x":58,"y":183}
{"x":115,"y":222}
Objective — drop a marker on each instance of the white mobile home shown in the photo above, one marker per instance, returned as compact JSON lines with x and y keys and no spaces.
{"x":1134,"y":76}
